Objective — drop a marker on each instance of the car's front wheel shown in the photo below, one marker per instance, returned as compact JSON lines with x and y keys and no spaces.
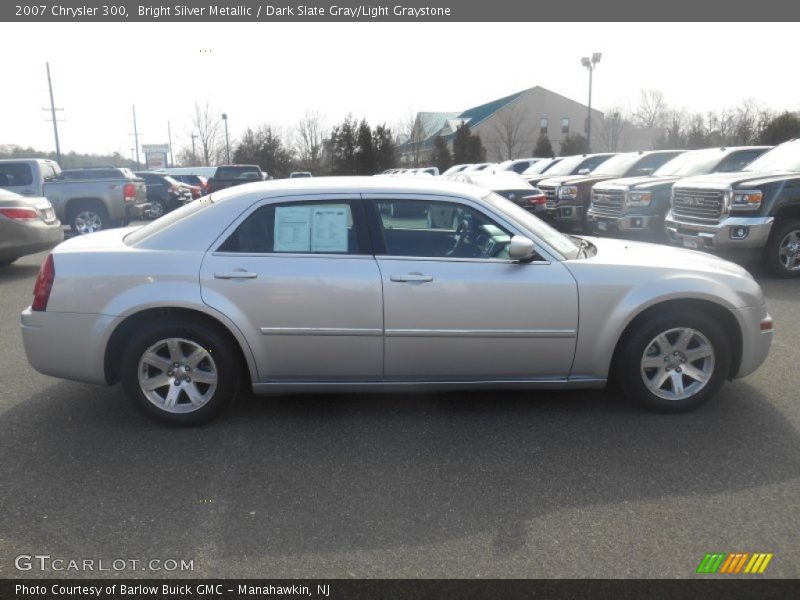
{"x":675,"y":361}
{"x":782,"y":253}
{"x":180,"y":371}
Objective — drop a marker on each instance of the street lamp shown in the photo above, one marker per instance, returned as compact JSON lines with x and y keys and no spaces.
{"x":227,"y":141}
{"x":591,"y":64}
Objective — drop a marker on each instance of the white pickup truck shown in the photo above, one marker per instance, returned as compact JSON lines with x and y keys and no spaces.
{"x":85,"y":199}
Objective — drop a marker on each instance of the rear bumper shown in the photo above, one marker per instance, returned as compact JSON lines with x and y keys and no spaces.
{"x":21,"y":239}
{"x":721,"y":237}
{"x":134,"y":211}
{"x":755,"y":343}
{"x":67,"y":345}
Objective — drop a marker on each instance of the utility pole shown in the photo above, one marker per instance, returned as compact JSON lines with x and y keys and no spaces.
{"x":194,"y":153}
{"x":53,"y":110}
{"x":227,"y":141}
{"x":169,"y":137}
{"x":135,"y":136}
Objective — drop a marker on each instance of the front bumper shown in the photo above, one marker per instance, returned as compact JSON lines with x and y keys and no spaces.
{"x":67,"y":345}
{"x":567,"y":214}
{"x":755,"y":343}
{"x":20,"y":238}
{"x":722,"y":237}
{"x":623,"y":223}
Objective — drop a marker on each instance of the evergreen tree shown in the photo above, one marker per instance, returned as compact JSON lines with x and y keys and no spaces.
{"x":343,"y":148}
{"x":384,"y":148}
{"x":780,"y":129}
{"x":574,"y":143}
{"x":441,"y":156}
{"x":365,"y":152}
{"x":461,"y":145}
{"x":543,"y":147}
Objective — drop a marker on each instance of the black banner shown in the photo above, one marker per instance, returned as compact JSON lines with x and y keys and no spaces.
{"x":391,"y":589}
{"x":399,"y":10}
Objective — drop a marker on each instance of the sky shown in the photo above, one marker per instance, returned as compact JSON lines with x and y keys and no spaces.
{"x":272,"y":73}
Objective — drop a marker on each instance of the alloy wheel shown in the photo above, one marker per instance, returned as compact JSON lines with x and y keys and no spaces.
{"x":789,"y":251}
{"x":677,"y":363}
{"x":88,"y":221}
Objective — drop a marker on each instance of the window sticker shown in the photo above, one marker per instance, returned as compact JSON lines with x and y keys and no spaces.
{"x":320,"y":228}
{"x":329,"y":228}
{"x":292,"y":229}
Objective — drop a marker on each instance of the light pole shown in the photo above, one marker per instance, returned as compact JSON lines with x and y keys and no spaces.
{"x":591,"y":64}
{"x":227,"y":141}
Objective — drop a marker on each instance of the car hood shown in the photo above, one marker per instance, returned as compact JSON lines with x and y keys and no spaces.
{"x":723,"y":180}
{"x":643,"y":182}
{"x":577,"y":179}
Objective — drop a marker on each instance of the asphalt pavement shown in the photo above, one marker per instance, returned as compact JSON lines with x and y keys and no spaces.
{"x":489,"y":484}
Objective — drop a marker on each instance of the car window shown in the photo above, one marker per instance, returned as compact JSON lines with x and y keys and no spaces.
{"x":13,"y":174}
{"x":737,"y":161}
{"x":297,"y":227}
{"x":434,"y":229}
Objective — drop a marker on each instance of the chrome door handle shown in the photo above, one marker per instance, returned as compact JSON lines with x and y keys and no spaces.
{"x":236,"y":275}
{"x":411,"y":277}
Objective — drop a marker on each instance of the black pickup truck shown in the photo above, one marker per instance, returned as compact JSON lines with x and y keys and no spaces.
{"x":636,"y":206}
{"x":229,"y":175}
{"x":752,"y":213}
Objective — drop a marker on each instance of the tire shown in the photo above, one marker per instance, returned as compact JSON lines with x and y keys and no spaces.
{"x":649,"y":352}
{"x":783,"y":248}
{"x":88,"y":217}
{"x":151,"y":354}
{"x":157,"y":209}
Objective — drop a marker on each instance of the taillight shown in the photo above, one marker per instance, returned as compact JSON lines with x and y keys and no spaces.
{"x":44,"y":284}
{"x":129,"y":192}
{"x":535,"y":200}
{"x":19,"y":214}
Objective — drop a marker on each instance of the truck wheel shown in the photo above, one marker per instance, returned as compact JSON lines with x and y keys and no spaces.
{"x":88,"y":217}
{"x":180,"y":371}
{"x":673,"y":362}
{"x":156,"y":209}
{"x":782,"y":253}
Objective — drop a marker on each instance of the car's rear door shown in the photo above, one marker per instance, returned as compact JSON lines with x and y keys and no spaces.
{"x":452,"y":316}
{"x":300,"y":280}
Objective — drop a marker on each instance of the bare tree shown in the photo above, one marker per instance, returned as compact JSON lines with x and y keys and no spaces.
{"x":613,"y":129}
{"x":652,"y":110}
{"x":207,"y":126}
{"x":510,"y":130}
{"x":411,"y":136}
{"x":309,"y":136}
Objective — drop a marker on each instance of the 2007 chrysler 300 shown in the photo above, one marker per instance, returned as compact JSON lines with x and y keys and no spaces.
{"x":376,"y":283}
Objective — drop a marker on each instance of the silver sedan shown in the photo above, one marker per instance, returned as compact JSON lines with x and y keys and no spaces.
{"x":27,"y":225}
{"x":382,"y":283}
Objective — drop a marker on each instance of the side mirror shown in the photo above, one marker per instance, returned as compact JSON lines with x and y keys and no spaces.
{"x":521,"y":248}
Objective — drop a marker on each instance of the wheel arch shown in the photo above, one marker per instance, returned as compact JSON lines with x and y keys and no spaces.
{"x":122,"y":331}
{"x":87,"y":200}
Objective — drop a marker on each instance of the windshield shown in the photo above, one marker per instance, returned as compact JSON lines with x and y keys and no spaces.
{"x":785,"y":157}
{"x":134,"y":237}
{"x":566,"y":165}
{"x":555,"y":239}
{"x":698,"y":162}
{"x":617,"y":166}
{"x":541,"y":166}
{"x":238,"y":173}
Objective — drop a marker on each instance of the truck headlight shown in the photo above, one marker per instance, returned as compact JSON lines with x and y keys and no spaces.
{"x":567,"y":192}
{"x":639,"y":198}
{"x":746,"y":200}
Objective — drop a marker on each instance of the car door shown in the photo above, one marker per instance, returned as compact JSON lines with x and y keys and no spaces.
{"x":300,"y":281}
{"x":455,"y":311}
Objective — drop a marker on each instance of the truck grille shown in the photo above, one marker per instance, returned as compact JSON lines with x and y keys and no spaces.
{"x":698,"y":205}
{"x":608,"y":202}
{"x":549,"y":194}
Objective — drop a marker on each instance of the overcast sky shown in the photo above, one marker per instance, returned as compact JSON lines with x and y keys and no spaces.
{"x":271,"y":73}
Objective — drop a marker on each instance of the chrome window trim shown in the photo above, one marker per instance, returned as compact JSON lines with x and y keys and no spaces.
{"x":499,"y":261}
{"x":332,"y":331}
{"x":484,"y":333}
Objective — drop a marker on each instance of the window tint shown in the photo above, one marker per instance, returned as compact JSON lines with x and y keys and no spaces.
{"x":429,"y":229}
{"x":592,"y":162}
{"x":298,"y":227}
{"x":737,"y":161}
{"x":248,"y":173}
{"x":12,"y":174}
{"x":520,"y":166}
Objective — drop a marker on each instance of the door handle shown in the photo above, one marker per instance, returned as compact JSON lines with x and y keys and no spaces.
{"x":411,"y":277}
{"x":235,"y":275}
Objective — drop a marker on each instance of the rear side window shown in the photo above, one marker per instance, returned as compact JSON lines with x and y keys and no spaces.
{"x":297,"y":228}
{"x":15,"y":174}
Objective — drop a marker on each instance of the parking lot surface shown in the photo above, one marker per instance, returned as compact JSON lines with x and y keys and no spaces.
{"x":486,"y":484}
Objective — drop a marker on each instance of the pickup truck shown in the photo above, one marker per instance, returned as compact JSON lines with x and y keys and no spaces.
{"x":571,"y":194}
{"x":579,"y":164}
{"x":754,"y":213}
{"x":636,"y":206}
{"x":229,"y":175}
{"x":85,"y":199}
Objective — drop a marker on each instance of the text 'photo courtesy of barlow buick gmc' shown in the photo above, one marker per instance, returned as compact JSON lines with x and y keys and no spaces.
{"x":301,"y":285}
{"x":754,"y":213}
{"x":573,"y":194}
{"x":637,"y":206}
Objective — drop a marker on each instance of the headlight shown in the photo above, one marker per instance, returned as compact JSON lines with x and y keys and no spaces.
{"x":639,"y":198}
{"x":746,"y":200}
{"x":567,"y":192}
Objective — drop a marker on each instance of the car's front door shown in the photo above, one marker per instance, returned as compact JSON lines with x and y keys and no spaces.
{"x":300,"y":281}
{"x":456,"y":308}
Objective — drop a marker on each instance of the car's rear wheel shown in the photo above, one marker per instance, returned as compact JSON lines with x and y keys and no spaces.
{"x":88,"y":217}
{"x":782,"y":253}
{"x":673,"y":362}
{"x":180,"y":371}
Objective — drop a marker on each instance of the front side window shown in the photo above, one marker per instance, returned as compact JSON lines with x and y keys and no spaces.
{"x":297,"y":227}
{"x":434,"y":229}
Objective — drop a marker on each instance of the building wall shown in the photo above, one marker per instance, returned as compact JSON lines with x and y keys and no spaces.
{"x":515,"y":128}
